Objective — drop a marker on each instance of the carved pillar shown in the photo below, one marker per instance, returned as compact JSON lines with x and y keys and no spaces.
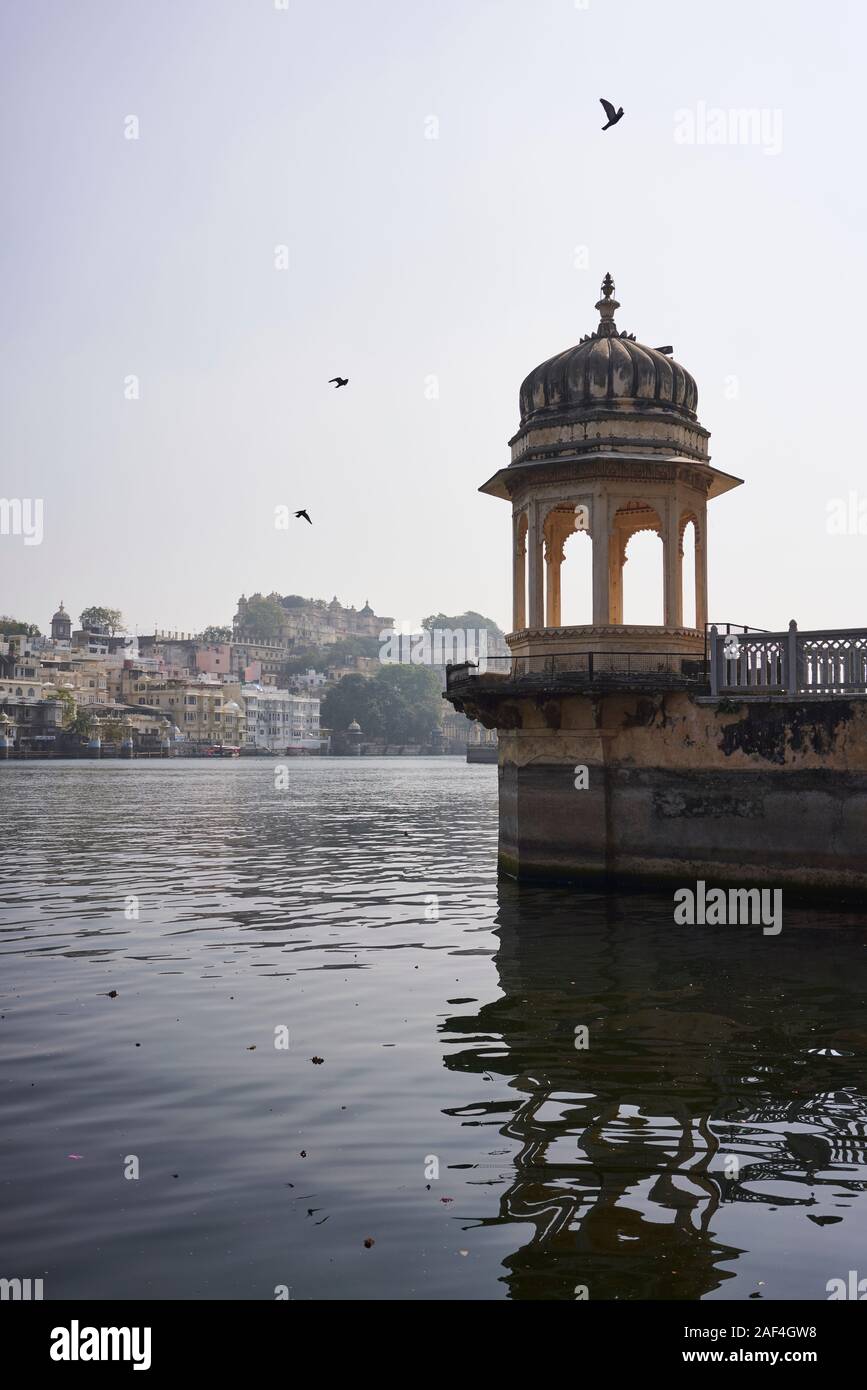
{"x":519,"y":572}
{"x":599,"y":533}
{"x":554,"y":559}
{"x":673,"y":614}
{"x":536,"y":583}
{"x":701,"y":571}
{"x":616,"y":561}
{"x":558,"y":525}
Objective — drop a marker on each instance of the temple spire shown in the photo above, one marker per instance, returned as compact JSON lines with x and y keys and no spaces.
{"x":607,"y":306}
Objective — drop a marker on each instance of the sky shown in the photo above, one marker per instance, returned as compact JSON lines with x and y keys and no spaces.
{"x":419,"y":198}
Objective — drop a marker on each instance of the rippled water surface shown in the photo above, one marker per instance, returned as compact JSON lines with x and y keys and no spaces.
{"x":706,"y":1144}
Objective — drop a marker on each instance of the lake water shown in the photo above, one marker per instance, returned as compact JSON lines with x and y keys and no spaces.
{"x":705,"y":1144}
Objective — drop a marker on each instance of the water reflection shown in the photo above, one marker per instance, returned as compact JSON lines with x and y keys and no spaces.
{"x":708,"y":1083}
{"x":706,"y":1144}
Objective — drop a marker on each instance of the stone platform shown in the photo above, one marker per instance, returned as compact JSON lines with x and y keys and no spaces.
{"x":677,"y":786}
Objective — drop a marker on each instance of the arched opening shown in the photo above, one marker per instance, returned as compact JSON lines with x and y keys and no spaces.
{"x":688,"y":570}
{"x":644,"y":580}
{"x":637,"y":589}
{"x":569,"y":595}
{"x":576,"y":588}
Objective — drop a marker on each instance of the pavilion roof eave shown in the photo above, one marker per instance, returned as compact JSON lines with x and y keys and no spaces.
{"x":720,"y":482}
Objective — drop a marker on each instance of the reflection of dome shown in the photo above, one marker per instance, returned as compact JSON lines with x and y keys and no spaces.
{"x":607,"y":370}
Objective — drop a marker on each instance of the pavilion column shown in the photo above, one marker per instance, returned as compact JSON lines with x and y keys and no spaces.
{"x":601,"y":573}
{"x":554,"y":559}
{"x":519,"y":572}
{"x":536,"y":582}
{"x":701,"y":572}
{"x":672,"y":559}
{"x":616,"y":561}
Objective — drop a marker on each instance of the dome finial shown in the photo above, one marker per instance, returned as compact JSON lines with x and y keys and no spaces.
{"x":607,"y":306}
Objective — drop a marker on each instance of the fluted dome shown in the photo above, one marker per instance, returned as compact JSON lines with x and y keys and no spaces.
{"x":607,"y":371}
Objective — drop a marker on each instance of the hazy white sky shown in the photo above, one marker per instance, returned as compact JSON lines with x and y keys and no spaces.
{"x":411,"y":257}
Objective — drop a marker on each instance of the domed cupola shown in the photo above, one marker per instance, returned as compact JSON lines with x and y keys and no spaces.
{"x":61,"y":625}
{"x":609,"y":445}
{"x":609,"y":392}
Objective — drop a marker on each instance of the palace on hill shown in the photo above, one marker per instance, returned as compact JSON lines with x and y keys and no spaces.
{"x":311,"y":622}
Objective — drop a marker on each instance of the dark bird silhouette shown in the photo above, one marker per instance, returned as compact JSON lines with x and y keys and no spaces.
{"x":667,"y":350}
{"x":304,"y":514}
{"x":613,"y":116}
{"x":344,"y":380}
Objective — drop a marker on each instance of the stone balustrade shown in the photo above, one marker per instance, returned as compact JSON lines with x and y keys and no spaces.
{"x":762,"y":664}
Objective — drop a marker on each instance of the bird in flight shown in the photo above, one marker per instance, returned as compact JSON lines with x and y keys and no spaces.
{"x":613,"y":116}
{"x":304,"y":514}
{"x":338,"y":381}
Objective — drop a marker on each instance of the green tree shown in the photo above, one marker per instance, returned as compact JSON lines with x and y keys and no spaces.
{"x":94,"y":619}
{"x":326,"y":658}
{"x":82,"y":722}
{"x":401,"y":704}
{"x":470,"y":619}
{"x":217,"y":634}
{"x":377,"y":708}
{"x":13,"y":627}
{"x":304,"y":659}
{"x":69,"y":706}
{"x":263,"y":617}
{"x":420,"y":709}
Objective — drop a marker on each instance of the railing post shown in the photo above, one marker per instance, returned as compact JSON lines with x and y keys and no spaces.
{"x":714,"y":668}
{"x":792,"y":659}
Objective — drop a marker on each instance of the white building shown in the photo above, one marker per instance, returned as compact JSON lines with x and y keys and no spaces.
{"x":278,"y":720}
{"x":309,"y":679}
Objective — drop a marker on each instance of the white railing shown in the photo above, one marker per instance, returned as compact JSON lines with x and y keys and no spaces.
{"x":788,"y":663}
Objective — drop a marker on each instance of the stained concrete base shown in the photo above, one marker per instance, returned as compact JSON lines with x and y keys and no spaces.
{"x":805,"y":829}
{"x":678,"y":789}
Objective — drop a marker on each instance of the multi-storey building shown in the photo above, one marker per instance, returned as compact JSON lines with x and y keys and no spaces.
{"x":201,"y":711}
{"x":276,"y":720}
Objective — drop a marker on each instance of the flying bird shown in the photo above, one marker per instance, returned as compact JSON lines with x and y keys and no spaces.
{"x":344,"y":380}
{"x":613,"y":116}
{"x":304,"y":514}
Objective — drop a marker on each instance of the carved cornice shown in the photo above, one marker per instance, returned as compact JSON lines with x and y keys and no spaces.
{"x":529,"y":634}
{"x":586,"y":470}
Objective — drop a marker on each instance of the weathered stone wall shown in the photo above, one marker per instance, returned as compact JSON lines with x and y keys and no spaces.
{"x":759,"y":793}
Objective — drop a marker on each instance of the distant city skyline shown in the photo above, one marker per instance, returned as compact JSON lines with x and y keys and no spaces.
{"x":214,"y":209}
